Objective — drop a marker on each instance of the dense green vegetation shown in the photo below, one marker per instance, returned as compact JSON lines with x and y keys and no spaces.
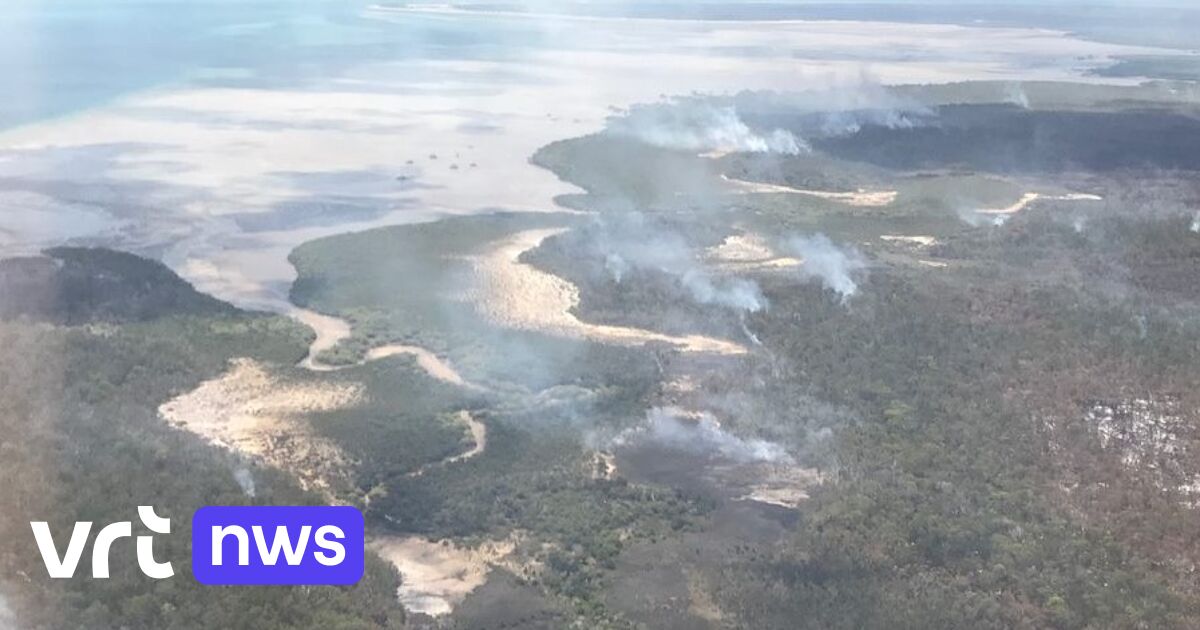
{"x":83,"y":441}
{"x":1008,"y":138}
{"x":536,"y":479}
{"x":75,"y":286}
{"x":972,"y":490}
{"x":947,"y":403}
{"x":945,"y":510}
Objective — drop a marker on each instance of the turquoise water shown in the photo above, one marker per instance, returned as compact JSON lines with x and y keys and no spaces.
{"x":57,"y":57}
{"x":60,"y":56}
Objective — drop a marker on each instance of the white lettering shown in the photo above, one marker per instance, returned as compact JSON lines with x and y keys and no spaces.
{"x":281,"y":541}
{"x":243,"y":542}
{"x":65,"y":567}
{"x":338,"y":549}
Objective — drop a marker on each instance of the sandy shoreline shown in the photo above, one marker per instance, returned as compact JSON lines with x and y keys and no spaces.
{"x":332,"y":330}
{"x":517,"y":295}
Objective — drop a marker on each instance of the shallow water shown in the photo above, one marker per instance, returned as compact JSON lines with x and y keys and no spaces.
{"x":261,"y":125}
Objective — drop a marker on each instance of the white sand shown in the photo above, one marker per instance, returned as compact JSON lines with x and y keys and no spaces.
{"x":748,"y":252}
{"x":478,"y":432}
{"x":783,"y":485}
{"x":250,"y":411}
{"x":516,"y":295}
{"x":433,"y":365}
{"x":917,"y":241}
{"x":478,"y":436}
{"x":332,"y":330}
{"x":741,"y":248}
{"x":865,"y":198}
{"x":1031,"y":197}
{"x":438,"y":575}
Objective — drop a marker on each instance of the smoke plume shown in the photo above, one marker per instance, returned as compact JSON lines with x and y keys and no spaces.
{"x":836,"y":110}
{"x":699,"y":434}
{"x":8,"y":620}
{"x":834,"y":266}
{"x":694,"y":125}
{"x":630,"y":243}
{"x":245,"y":480}
{"x":1014,"y":93}
{"x":974,"y":218}
{"x":750,"y":122}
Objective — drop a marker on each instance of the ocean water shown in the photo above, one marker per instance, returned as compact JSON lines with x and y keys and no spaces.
{"x":59,"y":57}
{"x":217,"y":135}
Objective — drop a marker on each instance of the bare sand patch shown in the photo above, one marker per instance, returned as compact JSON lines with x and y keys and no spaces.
{"x":478,"y":432}
{"x":916,"y":241}
{"x":438,"y":575}
{"x":478,"y":435}
{"x":864,"y":198}
{"x":516,"y":295}
{"x":433,"y":365}
{"x":332,"y":330}
{"x":604,"y":465}
{"x":1014,"y":207}
{"x":782,"y":485}
{"x":250,"y":411}
{"x":779,"y":263}
{"x":741,"y":248}
{"x":1031,"y":197}
{"x":329,"y":330}
{"x":748,"y":252}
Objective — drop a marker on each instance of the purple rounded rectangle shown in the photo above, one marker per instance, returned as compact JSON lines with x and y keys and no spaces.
{"x":245,"y":545}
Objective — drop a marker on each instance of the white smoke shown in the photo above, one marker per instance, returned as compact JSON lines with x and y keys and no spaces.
{"x":849,"y":123}
{"x":835,"y":266}
{"x":975,"y":218}
{"x":617,"y":266}
{"x":1195,"y":227}
{"x":738,"y":294}
{"x":839,"y":109}
{"x":8,"y":620}
{"x":1015,"y":93}
{"x":719,"y":123}
{"x":245,"y":480}
{"x":749,"y":333}
{"x":631,"y":244}
{"x":695,"y":125}
{"x":700,"y":434}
